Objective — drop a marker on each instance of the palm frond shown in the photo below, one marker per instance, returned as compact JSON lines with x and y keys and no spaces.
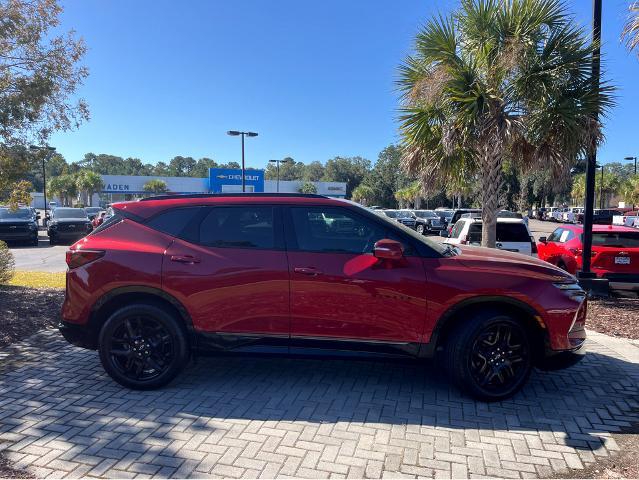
{"x":631,"y":29}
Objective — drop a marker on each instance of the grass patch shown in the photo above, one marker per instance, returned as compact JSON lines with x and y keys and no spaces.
{"x":38,"y":279}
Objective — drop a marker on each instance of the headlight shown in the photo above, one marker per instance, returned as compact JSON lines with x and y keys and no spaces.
{"x":572,"y":290}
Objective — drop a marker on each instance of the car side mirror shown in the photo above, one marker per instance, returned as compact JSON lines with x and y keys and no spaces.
{"x":443,"y":233}
{"x":543,"y":240}
{"x":388,"y":249}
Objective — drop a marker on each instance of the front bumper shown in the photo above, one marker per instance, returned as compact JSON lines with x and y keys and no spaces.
{"x":78,"y":335}
{"x":19,"y":237}
{"x":554,"y":360}
{"x":623,"y":281}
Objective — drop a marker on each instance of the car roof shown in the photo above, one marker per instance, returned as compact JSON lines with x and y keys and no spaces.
{"x":499,"y":220}
{"x":150,"y":206}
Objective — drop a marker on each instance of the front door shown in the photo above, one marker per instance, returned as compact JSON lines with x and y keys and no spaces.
{"x":340,"y":291}
{"x":229,"y":269}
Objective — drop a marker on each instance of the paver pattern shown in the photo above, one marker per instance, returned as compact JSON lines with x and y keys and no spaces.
{"x":60,"y":415}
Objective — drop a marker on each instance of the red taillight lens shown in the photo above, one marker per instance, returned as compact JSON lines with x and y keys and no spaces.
{"x":77,"y":258}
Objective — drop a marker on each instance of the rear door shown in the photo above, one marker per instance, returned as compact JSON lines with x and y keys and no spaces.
{"x":228,"y":267}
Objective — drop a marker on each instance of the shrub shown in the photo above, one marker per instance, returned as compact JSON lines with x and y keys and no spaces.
{"x":308,"y":187}
{"x":7,"y":264}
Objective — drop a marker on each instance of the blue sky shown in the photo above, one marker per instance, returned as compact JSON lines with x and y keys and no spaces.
{"x":314,"y":79}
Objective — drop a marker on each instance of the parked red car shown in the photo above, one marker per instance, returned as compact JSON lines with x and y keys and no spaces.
{"x":615,"y":252}
{"x":169,"y":276}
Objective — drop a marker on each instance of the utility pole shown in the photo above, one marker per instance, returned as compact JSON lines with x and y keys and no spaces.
{"x":48,"y":151}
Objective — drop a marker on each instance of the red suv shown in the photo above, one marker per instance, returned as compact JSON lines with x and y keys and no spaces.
{"x":615,"y":252}
{"x":170,"y":276}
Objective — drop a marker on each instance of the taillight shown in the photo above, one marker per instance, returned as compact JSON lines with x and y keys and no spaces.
{"x":77,"y":258}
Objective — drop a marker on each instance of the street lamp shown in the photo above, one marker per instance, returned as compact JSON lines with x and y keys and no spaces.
{"x":278,"y":170}
{"x":48,"y":151}
{"x":235,"y":133}
{"x":635,"y":159}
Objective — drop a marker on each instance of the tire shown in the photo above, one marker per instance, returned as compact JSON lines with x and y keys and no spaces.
{"x":420,"y":229}
{"x":489,"y":372}
{"x":34,"y":241}
{"x":51,"y":240}
{"x":151,"y":346}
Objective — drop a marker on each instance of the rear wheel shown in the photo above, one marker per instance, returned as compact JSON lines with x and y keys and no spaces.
{"x":489,"y":356}
{"x":143,"y":347}
{"x":420,"y":229}
{"x":51,"y":239}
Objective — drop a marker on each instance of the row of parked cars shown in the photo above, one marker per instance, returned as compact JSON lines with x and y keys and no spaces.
{"x":601,"y":216}
{"x":63,"y":224}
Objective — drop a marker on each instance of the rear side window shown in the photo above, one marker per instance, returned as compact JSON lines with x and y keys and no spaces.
{"x":173,"y":221}
{"x":457,"y":229}
{"x":112,"y":220}
{"x":250,"y":226}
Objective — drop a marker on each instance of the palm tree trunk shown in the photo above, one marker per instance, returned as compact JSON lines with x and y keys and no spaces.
{"x":491,"y":185}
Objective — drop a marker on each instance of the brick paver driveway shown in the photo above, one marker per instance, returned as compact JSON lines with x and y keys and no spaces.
{"x":248,"y":417}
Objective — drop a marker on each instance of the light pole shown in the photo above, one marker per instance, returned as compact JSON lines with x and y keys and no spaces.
{"x":635,"y":159}
{"x":601,"y":186}
{"x":47,"y":152}
{"x":277,"y":162}
{"x":235,"y":133}
{"x":588,"y":279}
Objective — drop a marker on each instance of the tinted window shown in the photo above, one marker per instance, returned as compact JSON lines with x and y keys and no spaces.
{"x":242,"y":227}
{"x":21,"y":213}
{"x":334,"y":230}
{"x":616,"y":239}
{"x":173,"y":221}
{"x":512,"y":232}
{"x":69,"y":213}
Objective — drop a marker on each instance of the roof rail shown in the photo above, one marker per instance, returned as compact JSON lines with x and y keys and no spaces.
{"x":212,"y":195}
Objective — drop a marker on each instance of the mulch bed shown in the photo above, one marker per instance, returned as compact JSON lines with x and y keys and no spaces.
{"x":617,"y":317}
{"x":25,"y":311}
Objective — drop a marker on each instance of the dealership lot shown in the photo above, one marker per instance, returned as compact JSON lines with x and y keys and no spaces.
{"x":249,"y":417}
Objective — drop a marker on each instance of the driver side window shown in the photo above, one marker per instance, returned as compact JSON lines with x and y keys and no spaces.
{"x":329,"y":229}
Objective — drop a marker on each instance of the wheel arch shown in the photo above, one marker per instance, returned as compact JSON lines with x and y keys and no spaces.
{"x":118,"y":297}
{"x":455,"y":315}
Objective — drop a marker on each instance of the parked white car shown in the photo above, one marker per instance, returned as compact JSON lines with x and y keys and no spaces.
{"x":558,"y":214}
{"x":572,"y":214}
{"x":512,"y":234}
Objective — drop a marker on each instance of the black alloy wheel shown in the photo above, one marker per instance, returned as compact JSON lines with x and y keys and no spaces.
{"x":142,"y":346}
{"x":490,"y":356}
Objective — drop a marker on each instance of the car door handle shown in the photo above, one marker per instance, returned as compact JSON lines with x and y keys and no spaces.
{"x":185,"y":259}
{"x":307,"y":271}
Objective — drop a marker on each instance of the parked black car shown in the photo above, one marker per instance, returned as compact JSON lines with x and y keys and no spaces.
{"x":600,"y":216}
{"x":428,"y":222}
{"x":18,"y":226}
{"x":92,"y":212}
{"x":68,"y":224}
{"x":402,"y":216}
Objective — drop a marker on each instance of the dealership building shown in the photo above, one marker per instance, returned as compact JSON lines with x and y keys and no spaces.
{"x":220,"y":180}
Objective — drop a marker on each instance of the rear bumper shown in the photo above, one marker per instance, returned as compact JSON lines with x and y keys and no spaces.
{"x":78,"y":335}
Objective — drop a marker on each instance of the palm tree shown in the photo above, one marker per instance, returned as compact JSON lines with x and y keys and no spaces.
{"x":363,"y":194}
{"x":496,"y":80}
{"x":155,"y":186}
{"x":64,"y":187}
{"x":578,"y":191}
{"x":631,"y":29}
{"x":630,"y":190}
{"x":88,"y":183}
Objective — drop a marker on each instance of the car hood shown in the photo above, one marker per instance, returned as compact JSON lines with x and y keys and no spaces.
{"x":70,"y":220}
{"x":480,"y":258}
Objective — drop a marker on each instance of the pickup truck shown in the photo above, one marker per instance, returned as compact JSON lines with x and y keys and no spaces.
{"x":628,"y":219}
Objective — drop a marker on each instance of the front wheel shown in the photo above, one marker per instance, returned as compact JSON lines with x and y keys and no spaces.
{"x":143,"y":347}
{"x":489,"y":356}
{"x":420,"y":229}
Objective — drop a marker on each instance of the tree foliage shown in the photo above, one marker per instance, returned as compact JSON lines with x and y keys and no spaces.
{"x":631,"y":29}
{"x":156,"y":186}
{"x":308,"y":188}
{"x":498,"y":80}
{"x":39,"y":71}
{"x":88,"y":183}
{"x":7,"y":263}
{"x":64,"y":187}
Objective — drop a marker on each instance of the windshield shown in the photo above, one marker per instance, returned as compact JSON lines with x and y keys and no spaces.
{"x":92,"y":209}
{"x":426,"y":214}
{"x":70,"y":213}
{"x":406,"y":214}
{"x":392,"y":213}
{"x":21,"y":213}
